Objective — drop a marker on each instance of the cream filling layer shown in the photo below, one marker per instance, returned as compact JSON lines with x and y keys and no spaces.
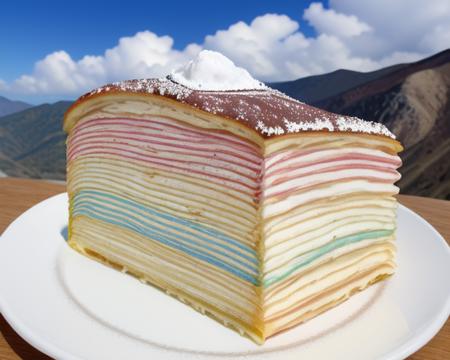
{"x":315,"y":140}
{"x":323,"y":207}
{"x":316,"y":281}
{"x":326,"y":177}
{"x":275,"y":207}
{"x":296,"y":158}
{"x":140,"y":107}
{"x":139,"y":256}
{"x":298,"y":231}
{"x":272,"y":288}
{"x":285,"y":253}
{"x":185,"y":196}
{"x":332,"y":295}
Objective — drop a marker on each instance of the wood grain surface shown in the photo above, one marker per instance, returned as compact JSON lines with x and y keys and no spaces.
{"x":17,"y":195}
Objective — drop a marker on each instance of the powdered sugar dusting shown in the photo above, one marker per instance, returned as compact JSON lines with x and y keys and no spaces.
{"x":269,"y":130}
{"x":213,"y":84}
{"x":212,"y":71}
{"x":164,"y":87}
{"x":316,"y":125}
{"x":354,"y":124}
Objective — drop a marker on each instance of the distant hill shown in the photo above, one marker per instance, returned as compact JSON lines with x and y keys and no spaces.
{"x":10,"y":106}
{"x":413,"y":100}
{"x":32,"y":143}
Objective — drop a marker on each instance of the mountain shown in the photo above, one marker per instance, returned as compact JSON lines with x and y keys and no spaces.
{"x":313,"y":89}
{"x":32,"y":142}
{"x":10,"y":106}
{"x":413,"y":100}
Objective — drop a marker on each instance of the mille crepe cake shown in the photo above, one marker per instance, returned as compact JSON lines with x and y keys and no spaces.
{"x":252,"y":207}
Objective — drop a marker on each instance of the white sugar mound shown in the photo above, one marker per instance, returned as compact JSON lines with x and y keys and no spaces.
{"x":212,"y":71}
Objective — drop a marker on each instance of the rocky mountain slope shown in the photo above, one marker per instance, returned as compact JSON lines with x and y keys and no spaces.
{"x":413,"y":100}
{"x":32,"y":143}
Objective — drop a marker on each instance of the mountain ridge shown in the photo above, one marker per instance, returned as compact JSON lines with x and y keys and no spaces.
{"x":310,"y":89}
{"x":8,"y":106}
{"x":413,"y":100}
{"x":384,"y":82}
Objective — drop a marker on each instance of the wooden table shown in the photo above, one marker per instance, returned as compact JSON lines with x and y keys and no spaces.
{"x":17,"y":195}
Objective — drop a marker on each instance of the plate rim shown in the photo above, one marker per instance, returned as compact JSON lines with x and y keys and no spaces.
{"x":430,"y":329}
{"x":37,"y":341}
{"x":420,"y":338}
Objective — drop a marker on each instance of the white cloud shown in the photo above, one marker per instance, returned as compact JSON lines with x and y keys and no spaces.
{"x":399,"y":25}
{"x":399,"y":57}
{"x":142,"y":55}
{"x":437,"y":39}
{"x":354,"y":34}
{"x":262,"y":46}
{"x":272,"y":48}
{"x":328,"y":21}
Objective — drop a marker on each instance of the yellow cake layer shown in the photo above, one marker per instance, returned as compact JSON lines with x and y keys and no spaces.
{"x":138,"y":254}
{"x":200,"y":201}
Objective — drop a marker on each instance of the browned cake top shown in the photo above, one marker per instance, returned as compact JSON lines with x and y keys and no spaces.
{"x":269,"y":112}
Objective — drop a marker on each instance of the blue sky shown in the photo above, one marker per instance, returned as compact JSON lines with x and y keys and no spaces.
{"x":51,"y":50}
{"x":29,"y":32}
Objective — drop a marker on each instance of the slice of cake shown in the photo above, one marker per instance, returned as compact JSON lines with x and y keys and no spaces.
{"x":250,"y":206}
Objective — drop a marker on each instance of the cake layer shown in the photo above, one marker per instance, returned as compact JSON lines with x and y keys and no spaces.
{"x":174,"y":205}
{"x":302,"y":170}
{"x":329,"y":190}
{"x":262,"y":234}
{"x":266,"y":112}
{"x":303,"y":157}
{"x":194,"y":239}
{"x":331,"y":140}
{"x":227,"y":296}
{"x":329,"y":222}
{"x":311,"y":212}
{"x":182,"y":195}
{"x":329,"y":297}
{"x":325,"y":232}
{"x":218,"y":158}
{"x":299,"y":226}
{"x":319,"y":267}
{"x":140,"y":106}
{"x":317,"y":280}
{"x":289,"y":263}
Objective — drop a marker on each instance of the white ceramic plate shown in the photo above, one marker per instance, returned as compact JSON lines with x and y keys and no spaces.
{"x":73,"y":308}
